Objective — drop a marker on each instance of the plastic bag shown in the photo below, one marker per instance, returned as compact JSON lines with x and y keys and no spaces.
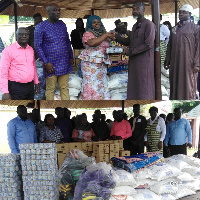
{"x":183,"y":192}
{"x":70,"y":171}
{"x":180,"y":164}
{"x":145,"y":194}
{"x":124,"y":190}
{"x":122,"y":177}
{"x":169,"y":186}
{"x":163,"y":171}
{"x":96,"y":179}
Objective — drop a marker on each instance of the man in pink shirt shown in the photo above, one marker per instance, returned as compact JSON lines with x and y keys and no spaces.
{"x":18,"y":69}
{"x":121,"y":129}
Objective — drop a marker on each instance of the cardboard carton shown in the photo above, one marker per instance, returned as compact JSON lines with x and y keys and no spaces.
{"x":124,"y":153}
{"x":112,"y":154}
{"x":114,"y":148}
{"x":87,"y":146}
{"x":61,"y":158}
{"x":75,"y":145}
{"x":62,"y":148}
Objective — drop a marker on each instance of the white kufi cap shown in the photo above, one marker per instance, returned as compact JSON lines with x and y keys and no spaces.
{"x":187,"y":7}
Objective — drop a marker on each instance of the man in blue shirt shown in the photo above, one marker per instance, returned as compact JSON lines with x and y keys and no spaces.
{"x":179,"y":134}
{"x":53,"y":47}
{"x":20,"y":130}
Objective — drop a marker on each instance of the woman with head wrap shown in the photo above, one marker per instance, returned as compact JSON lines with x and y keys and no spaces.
{"x":94,"y":60}
{"x":77,"y":34}
{"x":83,"y":131}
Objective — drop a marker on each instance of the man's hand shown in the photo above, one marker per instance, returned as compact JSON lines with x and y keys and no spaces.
{"x":6,"y":96}
{"x":166,"y":65}
{"x":49,"y":68}
{"x":189,"y":145}
{"x":71,"y":61}
{"x":196,"y":69}
{"x":37,"y":88}
{"x":160,"y":145}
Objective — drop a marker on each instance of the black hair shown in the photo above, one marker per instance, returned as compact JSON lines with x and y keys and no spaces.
{"x":160,"y":17}
{"x":136,"y":105}
{"x":117,"y":21}
{"x":46,"y":117}
{"x":19,"y":107}
{"x":167,"y":23}
{"x":37,"y":15}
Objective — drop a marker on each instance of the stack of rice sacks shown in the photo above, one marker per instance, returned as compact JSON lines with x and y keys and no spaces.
{"x":165,"y":87}
{"x":117,"y":85}
{"x":39,"y":171}
{"x":10,"y":177}
{"x":177,"y":177}
{"x":74,"y":86}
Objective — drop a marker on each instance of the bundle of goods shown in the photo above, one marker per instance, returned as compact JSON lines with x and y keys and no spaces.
{"x":165,"y":87}
{"x":39,"y":171}
{"x":114,"y":50}
{"x":136,"y":162}
{"x":176,"y":177}
{"x":42,"y":80}
{"x":117,"y":85}
{"x":74,"y":86}
{"x":96,"y":180}
{"x":10,"y":177}
{"x":73,"y":165}
{"x":118,"y":66}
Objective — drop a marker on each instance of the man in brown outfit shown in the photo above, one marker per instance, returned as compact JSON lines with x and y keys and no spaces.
{"x":182,"y":57}
{"x":141,"y":83}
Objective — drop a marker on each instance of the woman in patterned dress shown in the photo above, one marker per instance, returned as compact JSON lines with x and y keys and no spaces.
{"x":94,"y":60}
{"x":50,"y":133}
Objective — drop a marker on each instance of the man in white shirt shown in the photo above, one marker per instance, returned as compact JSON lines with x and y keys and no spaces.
{"x":155,"y":131}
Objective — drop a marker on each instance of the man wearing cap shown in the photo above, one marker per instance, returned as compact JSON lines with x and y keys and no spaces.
{"x":182,"y":57}
{"x":155,"y":131}
{"x":179,"y":134}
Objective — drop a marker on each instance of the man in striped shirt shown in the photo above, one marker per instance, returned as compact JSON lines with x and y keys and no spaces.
{"x":52,"y":44}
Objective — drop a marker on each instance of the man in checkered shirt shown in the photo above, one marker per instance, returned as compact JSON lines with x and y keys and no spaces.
{"x":52,"y":44}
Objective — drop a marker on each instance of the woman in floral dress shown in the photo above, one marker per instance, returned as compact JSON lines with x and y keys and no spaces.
{"x":94,"y":60}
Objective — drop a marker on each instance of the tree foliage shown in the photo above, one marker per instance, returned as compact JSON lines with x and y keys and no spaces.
{"x":184,"y":105}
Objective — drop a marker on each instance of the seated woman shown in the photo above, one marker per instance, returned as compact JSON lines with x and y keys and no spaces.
{"x":50,"y":133}
{"x":94,"y":60}
{"x":83,"y":131}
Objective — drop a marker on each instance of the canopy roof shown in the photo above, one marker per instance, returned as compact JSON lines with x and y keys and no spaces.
{"x":81,"y":8}
{"x":76,"y":103}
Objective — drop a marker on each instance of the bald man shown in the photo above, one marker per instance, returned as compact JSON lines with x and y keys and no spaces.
{"x":182,"y":57}
{"x":18,"y":72}
{"x":53,"y":47}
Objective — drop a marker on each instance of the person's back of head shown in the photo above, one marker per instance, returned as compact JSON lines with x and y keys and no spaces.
{"x":59,"y":112}
{"x":37,"y":18}
{"x":168,"y":24}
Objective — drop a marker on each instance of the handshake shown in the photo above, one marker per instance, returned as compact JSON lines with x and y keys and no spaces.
{"x":111,"y":36}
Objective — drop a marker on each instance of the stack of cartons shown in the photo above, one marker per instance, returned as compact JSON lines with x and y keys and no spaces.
{"x":10,"y":177}
{"x":76,"y":53}
{"x":62,"y":150}
{"x":39,"y":171}
{"x":103,"y":151}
